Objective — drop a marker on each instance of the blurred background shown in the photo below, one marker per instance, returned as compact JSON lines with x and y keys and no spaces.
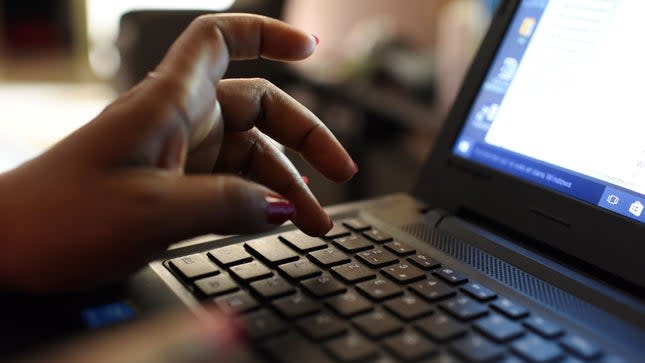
{"x":382,"y":79}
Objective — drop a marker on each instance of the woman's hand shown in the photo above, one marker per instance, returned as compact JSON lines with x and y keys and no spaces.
{"x":181,"y":154}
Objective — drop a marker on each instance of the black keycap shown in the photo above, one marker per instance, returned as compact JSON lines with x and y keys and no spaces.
{"x":251,"y":271}
{"x":322,"y":326}
{"x":432,"y":289}
{"x":464,"y":308}
{"x":404,"y":273}
{"x":215,"y":285}
{"x":445,"y":357}
{"x":424,"y":262}
{"x":377,"y":324}
{"x":299,"y":270}
{"x":408,"y":307}
{"x":349,"y":304}
{"x":352,"y":348}
{"x":272,"y":287}
{"x":581,"y":347}
{"x":450,"y":276}
{"x":377,"y":236}
{"x":545,"y":328}
{"x":441,"y":327}
{"x":478,"y":291}
{"x":302,"y":242}
{"x":379,"y":289}
{"x":400,"y":248}
{"x":477,"y":349}
{"x":510,"y":308}
{"x":263,"y":323}
{"x":377,"y":257}
{"x":237,"y":303}
{"x":356,"y":224}
{"x":230,"y":255}
{"x":337,"y":231}
{"x":295,"y":306}
{"x":353,"y":243}
{"x":354,"y":272}
{"x":324,"y":285}
{"x":499,"y":328}
{"x":515,"y":359}
{"x":271,"y":250}
{"x":410,"y":346}
{"x":294,"y":348}
{"x":536,"y":350}
{"x":193,"y":266}
{"x":329,"y":257}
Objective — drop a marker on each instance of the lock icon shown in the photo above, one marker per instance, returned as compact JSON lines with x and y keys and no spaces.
{"x":636,"y":208}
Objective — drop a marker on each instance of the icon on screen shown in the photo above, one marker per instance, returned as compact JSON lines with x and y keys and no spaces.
{"x":527,"y":27}
{"x":464,"y":147}
{"x":508,"y":69}
{"x":613,"y":199}
{"x":636,"y":208}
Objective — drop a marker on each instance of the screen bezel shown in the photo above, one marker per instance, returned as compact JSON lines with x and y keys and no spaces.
{"x":596,"y":236}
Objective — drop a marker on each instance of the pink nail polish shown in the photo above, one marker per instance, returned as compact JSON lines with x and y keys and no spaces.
{"x":305,"y":179}
{"x":316,"y":39}
{"x":278,"y":209}
{"x":355,"y":167}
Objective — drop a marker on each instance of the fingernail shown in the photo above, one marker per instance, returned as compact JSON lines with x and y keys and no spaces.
{"x":355,"y":167}
{"x":305,"y":179}
{"x":316,"y":39}
{"x":278,"y":209}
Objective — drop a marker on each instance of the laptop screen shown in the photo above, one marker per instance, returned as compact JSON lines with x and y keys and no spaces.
{"x":562,"y":104}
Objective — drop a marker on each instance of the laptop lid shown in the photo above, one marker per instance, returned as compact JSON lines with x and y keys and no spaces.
{"x":546,"y":138}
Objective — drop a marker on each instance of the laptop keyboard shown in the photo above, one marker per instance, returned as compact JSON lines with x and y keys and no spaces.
{"x":357,"y":295}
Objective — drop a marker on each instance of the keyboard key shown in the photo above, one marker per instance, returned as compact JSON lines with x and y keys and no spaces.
{"x":190,"y":267}
{"x":424,"y":262}
{"x":349,"y":304}
{"x":445,"y":357}
{"x":377,"y":236}
{"x":400,"y":248}
{"x":329,"y":257}
{"x":464,"y":308}
{"x":377,"y":324}
{"x":408,"y":307}
{"x":476,"y":349}
{"x":353,"y":272}
{"x":356,"y":224}
{"x":293,"y":348}
{"x":404,"y":273}
{"x":536,"y":350}
{"x":271,"y":250}
{"x":272,"y":287}
{"x":322,"y":326}
{"x":432,"y":289}
{"x":337,"y":231}
{"x":581,"y":347}
{"x":237,"y":303}
{"x":379,"y":289}
{"x":545,"y":328}
{"x":410,"y":346}
{"x":302,"y":242}
{"x":441,"y":327}
{"x":215,"y":285}
{"x":263,"y":323}
{"x":499,"y":328}
{"x":352,"y":348}
{"x":353,"y":243}
{"x":251,"y":271}
{"x":450,"y":276}
{"x":230,"y":255}
{"x":377,"y":257}
{"x":299,"y":270}
{"x":510,"y":308}
{"x":295,"y":306}
{"x":478,"y":291}
{"x":324,"y":285}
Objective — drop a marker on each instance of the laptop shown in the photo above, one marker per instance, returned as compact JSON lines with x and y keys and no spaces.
{"x":521,"y":242}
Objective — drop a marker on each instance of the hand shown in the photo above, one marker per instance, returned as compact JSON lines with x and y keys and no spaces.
{"x":181,"y":154}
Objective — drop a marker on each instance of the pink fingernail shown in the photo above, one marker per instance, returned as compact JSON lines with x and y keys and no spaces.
{"x":316,"y":39}
{"x":305,"y":179}
{"x":355,"y":167}
{"x":278,"y":209}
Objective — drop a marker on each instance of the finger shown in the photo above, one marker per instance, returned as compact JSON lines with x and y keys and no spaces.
{"x":256,"y":102}
{"x":253,"y":155}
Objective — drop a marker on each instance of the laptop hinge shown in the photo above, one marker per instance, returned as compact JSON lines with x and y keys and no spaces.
{"x":433,"y":217}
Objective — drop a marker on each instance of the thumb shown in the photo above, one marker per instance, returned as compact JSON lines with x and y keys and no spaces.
{"x":175,"y":337}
